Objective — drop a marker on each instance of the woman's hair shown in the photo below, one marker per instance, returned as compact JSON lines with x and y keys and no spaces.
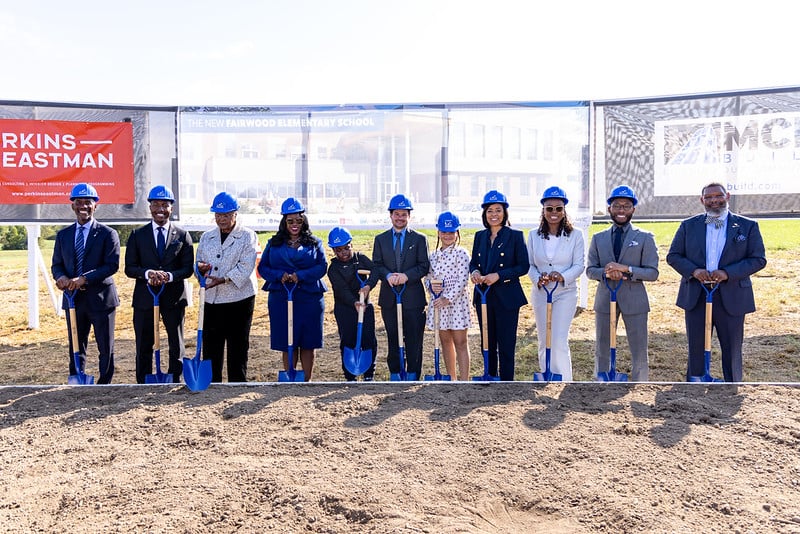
{"x":505,"y":216}
{"x":564,"y":227}
{"x":282,"y":236}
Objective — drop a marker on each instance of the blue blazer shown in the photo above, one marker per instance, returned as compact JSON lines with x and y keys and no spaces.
{"x":508,"y":257}
{"x":742,"y":255}
{"x":100,"y":262}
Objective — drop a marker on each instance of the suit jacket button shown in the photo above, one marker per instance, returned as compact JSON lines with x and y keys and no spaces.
{"x":501,"y":265}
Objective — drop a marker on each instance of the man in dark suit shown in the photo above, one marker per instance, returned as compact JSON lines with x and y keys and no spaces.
{"x":159,"y":253}
{"x":85,"y":257}
{"x":622,"y":252}
{"x":400,"y":256}
{"x":722,"y":248}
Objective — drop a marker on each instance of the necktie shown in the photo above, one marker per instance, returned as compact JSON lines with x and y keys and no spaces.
{"x":79,"y":250}
{"x":617,"y":242}
{"x":161,"y":243}
{"x":397,"y":252}
{"x":716,"y":221}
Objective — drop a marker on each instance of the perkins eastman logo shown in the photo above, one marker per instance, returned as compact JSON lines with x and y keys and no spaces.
{"x":42,"y":151}
{"x":41,"y":160}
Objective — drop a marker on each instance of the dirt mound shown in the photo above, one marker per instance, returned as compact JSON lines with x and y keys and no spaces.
{"x":400,"y":457}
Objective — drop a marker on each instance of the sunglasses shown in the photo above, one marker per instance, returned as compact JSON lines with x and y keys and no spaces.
{"x":551,"y":209}
{"x":294,"y":221}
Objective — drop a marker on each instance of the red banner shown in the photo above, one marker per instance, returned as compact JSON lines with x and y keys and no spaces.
{"x":40,"y":161}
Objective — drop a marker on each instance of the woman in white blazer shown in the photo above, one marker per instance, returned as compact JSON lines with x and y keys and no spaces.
{"x":226,"y":256}
{"x":556,"y":254}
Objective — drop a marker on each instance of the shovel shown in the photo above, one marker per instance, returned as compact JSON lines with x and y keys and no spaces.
{"x":548,"y":375}
{"x":196,"y":372}
{"x":402,"y":375}
{"x":356,"y":360}
{"x":80,"y":378}
{"x":436,"y":375}
{"x":291,"y":374}
{"x":612,"y":375}
{"x":710,"y":288}
{"x":485,"y":338}
{"x":158,"y":377}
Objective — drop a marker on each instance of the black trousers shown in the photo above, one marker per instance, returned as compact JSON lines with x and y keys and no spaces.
{"x":347,"y":323}
{"x":228,"y":323}
{"x":103,"y":323}
{"x":413,"y":331}
{"x":502,"y":339}
{"x":143,"y":328}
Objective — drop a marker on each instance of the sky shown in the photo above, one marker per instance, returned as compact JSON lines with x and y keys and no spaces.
{"x":307,"y":52}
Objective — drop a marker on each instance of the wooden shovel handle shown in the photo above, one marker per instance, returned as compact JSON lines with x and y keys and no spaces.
{"x":156,"y":321}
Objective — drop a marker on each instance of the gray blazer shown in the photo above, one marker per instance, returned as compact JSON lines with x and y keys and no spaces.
{"x":639,"y":251}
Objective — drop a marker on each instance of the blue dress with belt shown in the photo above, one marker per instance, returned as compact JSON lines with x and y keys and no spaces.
{"x":310,"y":265}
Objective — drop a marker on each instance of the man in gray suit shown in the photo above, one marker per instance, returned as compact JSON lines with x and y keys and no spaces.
{"x":622,"y":252}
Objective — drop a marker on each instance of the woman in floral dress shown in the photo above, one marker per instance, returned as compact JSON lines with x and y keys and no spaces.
{"x":450,"y":266}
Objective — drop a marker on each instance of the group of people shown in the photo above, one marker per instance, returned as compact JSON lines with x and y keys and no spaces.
{"x":418,"y":288}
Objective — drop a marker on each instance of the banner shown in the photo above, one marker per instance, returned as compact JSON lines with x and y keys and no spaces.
{"x":41,"y":160}
{"x":750,"y":154}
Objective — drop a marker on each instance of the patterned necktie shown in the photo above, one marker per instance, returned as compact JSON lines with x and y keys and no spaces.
{"x":617,"y":242}
{"x":713,"y":219}
{"x":397,"y":252}
{"x":161,"y":243}
{"x":79,"y":250}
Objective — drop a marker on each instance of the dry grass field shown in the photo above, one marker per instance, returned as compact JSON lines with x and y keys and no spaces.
{"x":772,"y":343}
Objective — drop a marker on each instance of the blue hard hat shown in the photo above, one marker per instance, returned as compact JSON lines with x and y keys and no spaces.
{"x":494,"y":197}
{"x":292,"y":205}
{"x":224,"y":203}
{"x":554,"y":192}
{"x":161,"y":192}
{"x":623,"y":191}
{"x":84,"y":191}
{"x":448,"y":222}
{"x":400,"y":202}
{"x":338,"y":237}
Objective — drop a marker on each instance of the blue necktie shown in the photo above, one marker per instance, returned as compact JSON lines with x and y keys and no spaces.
{"x":617,"y":242}
{"x":79,"y":251}
{"x":161,"y":243}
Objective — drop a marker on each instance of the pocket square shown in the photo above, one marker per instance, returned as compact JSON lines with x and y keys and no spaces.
{"x":740,"y":237}
{"x":633,"y":244}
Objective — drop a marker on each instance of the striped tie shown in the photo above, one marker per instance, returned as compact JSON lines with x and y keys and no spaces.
{"x":79,"y":251}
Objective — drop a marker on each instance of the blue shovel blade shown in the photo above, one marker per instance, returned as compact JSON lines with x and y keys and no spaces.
{"x":357,"y":362}
{"x":291,"y":375}
{"x":197,"y":373}
{"x":81,"y":379}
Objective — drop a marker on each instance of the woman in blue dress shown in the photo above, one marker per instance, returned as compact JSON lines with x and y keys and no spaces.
{"x":295,"y":258}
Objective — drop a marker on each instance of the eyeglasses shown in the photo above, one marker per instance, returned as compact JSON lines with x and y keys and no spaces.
{"x":292,"y":220}
{"x":625,"y":207}
{"x":551,"y":209}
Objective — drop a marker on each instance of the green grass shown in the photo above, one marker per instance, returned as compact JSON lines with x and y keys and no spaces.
{"x":779,"y":235}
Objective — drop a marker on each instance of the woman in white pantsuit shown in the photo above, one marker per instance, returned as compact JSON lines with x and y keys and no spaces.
{"x":556,"y":254}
